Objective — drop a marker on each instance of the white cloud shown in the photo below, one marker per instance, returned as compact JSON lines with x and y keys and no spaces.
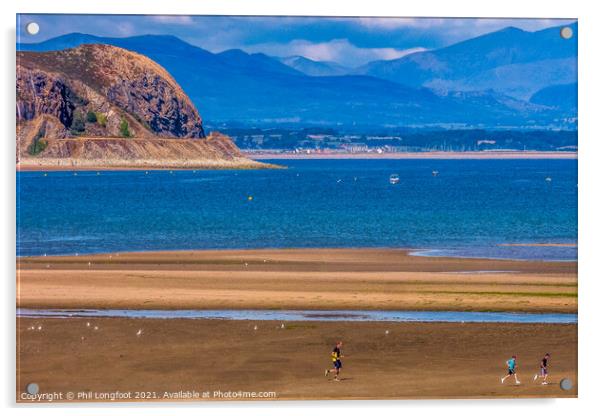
{"x":337,"y":50}
{"x":451,"y":30}
{"x":173,"y":19}
{"x":125,"y":29}
{"x":391,"y":23}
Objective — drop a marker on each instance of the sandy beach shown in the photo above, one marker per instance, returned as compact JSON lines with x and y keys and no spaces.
{"x":169,"y":359}
{"x":295,"y":279}
{"x":414,"y":360}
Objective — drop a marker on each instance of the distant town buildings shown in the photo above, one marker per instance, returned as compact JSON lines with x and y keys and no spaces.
{"x":327,"y":140}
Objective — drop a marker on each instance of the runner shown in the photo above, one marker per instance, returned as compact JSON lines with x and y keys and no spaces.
{"x":336,"y":356}
{"x":511,"y":363}
{"x":543,"y":369}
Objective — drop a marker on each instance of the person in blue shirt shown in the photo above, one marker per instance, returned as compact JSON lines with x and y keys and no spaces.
{"x":511,"y":363}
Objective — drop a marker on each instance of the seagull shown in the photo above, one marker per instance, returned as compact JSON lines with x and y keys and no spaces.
{"x":96,"y":328}
{"x":139,"y":332}
{"x":88,"y":324}
{"x":255,"y":328}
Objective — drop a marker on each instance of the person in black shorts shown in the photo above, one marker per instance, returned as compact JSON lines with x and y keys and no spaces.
{"x":511,"y":363}
{"x":336,"y":356}
{"x":543,"y":369}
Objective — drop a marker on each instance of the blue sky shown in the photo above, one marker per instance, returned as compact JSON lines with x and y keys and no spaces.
{"x":348,"y":41}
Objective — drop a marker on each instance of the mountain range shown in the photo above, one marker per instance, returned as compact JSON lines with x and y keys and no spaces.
{"x":510,"y":61}
{"x":485,"y":82}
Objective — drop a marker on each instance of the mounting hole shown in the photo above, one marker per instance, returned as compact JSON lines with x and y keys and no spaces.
{"x":566,"y":384}
{"x":32,"y":28}
{"x":32,"y":388}
{"x":566,"y":32}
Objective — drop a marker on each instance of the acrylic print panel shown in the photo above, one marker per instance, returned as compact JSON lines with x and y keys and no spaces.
{"x":284,"y":208}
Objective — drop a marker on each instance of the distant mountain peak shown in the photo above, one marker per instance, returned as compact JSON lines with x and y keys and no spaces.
{"x":312,"y":67}
{"x":233,"y":52}
{"x":510,"y":29}
{"x":512,"y":61}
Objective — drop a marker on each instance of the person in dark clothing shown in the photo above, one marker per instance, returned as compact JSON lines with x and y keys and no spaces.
{"x":543,"y":369}
{"x":336,"y":356}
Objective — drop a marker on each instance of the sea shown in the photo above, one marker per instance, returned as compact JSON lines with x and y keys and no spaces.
{"x":468,"y":208}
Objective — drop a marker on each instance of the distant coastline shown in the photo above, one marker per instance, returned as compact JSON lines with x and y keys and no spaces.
{"x":66,"y":165}
{"x":416,"y":155}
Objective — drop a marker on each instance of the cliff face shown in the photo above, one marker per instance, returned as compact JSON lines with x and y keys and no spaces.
{"x":108,"y":83}
{"x":99,"y":105}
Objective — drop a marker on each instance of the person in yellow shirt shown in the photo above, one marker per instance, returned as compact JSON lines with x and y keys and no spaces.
{"x":336,"y":356}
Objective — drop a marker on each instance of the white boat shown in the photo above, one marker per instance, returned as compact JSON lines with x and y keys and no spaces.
{"x":394,"y":178}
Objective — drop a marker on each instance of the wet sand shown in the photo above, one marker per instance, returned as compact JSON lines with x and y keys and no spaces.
{"x":375,"y":279}
{"x":414,"y":360}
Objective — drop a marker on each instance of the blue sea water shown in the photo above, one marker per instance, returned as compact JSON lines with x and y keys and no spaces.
{"x":469,"y":209}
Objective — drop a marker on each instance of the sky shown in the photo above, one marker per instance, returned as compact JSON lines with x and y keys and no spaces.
{"x":348,"y":41}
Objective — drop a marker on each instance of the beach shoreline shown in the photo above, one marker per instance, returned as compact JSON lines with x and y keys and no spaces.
{"x":416,"y":155}
{"x":204,"y":359}
{"x":295,"y":279}
{"x":383,"y":360}
{"x":55,"y":167}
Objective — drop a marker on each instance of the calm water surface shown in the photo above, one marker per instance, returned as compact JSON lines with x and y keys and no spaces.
{"x":470,"y":208}
{"x":300,"y":315}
